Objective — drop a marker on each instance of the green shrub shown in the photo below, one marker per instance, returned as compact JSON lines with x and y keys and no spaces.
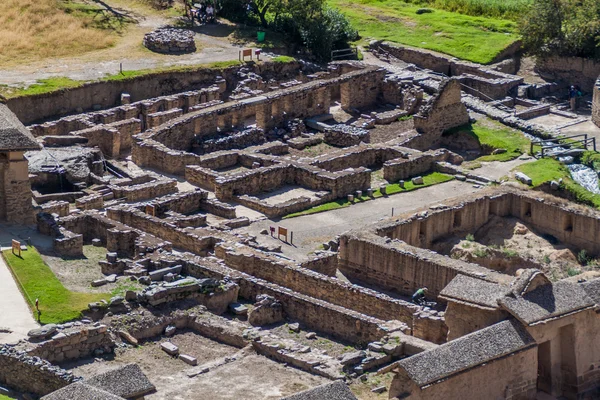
{"x":562,"y":27}
{"x":510,"y":253}
{"x":573,"y":271}
{"x":424,"y":11}
{"x":591,"y":159}
{"x":470,"y":237}
{"x":481,"y":252}
{"x":329,"y":31}
{"x":583,"y":257}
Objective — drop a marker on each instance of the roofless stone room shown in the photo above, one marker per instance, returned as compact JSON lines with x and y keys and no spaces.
{"x":299,"y":200}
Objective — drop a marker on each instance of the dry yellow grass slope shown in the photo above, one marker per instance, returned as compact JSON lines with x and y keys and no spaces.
{"x":36,"y":29}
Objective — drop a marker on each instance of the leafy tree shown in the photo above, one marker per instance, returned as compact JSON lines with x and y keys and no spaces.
{"x":303,"y":22}
{"x":330,"y":31}
{"x":564,"y":27}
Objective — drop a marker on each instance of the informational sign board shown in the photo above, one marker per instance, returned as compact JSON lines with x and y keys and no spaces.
{"x":245,"y":53}
{"x":150,"y":210}
{"x":16,"y":248}
{"x":282,"y":232}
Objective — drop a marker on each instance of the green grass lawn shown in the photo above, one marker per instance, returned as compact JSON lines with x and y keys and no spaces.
{"x":37,"y":281}
{"x":428,"y":180}
{"x":509,"y":9}
{"x":549,"y":169}
{"x":477,"y":39}
{"x":494,"y":135}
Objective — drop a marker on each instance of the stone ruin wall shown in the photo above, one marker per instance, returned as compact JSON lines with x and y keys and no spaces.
{"x":74,"y":344}
{"x":570,"y":70}
{"x":107,"y":94}
{"x":401,"y":268}
{"x":596,"y":104}
{"x":390,"y":255}
{"x":572,"y":225}
{"x":85,"y":226}
{"x":488,"y":83}
{"x":362,"y":300}
{"x":15,"y":189}
{"x":316,"y":314}
{"x":30,"y":374}
{"x":444,"y":111}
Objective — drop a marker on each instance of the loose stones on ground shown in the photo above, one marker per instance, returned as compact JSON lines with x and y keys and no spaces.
{"x":169,"y":348}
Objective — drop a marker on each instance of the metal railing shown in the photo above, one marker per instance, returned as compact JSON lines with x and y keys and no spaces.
{"x":569,"y":143}
{"x":345,"y":54}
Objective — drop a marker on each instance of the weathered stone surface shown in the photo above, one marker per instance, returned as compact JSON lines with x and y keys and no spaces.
{"x":128,"y":338}
{"x":188,"y":359}
{"x":169,"y":348}
{"x":115,"y":301}
{"x":170,"y":41}
{"x":521,"y":177}
{"x":352,"y":358}
{"x":266,"y":311}
{"x":238,"y":309}
{"x":99,"y":282}
{"x":44,"y":332}
{"x":418,"y":180}
{"x":170,"y":330}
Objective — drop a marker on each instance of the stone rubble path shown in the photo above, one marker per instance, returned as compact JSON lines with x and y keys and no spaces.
{"x":14,"y":312}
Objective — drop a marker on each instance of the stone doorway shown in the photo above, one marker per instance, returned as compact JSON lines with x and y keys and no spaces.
{"x":544,"y":381}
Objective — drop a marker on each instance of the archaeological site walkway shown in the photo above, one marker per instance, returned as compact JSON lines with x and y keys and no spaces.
{"x":15,"y":313}
{"x":311,"y":230}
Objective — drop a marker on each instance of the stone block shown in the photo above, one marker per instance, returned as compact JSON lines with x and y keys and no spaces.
{"x":97,"y":242}
{"x":417,"y":180}
{"x":160,"y":273}
{"x":99,"y":282}
{"x":111,"y":257}
{"x":352,"y":358}
{"x":521,"y":177}
{"x":128,"y":338}
{"x":169,"y":348}
{"x":238,"y":309}
{"x":193,"y":361}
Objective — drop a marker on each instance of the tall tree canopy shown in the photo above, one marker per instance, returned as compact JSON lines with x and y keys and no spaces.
{"x":563,"y":27}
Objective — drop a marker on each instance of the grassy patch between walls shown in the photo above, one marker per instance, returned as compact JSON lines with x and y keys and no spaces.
{"x":37,"y":281}
{"x":428,"y":180}
{"x":493,"y":135}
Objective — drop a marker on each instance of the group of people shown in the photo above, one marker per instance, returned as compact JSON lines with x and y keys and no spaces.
{"x":202,"y":11}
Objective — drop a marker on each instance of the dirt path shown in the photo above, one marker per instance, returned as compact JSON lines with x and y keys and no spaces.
{"x":312,"y":230}
{"x":15,"y":314}
{"x":215,"y":43}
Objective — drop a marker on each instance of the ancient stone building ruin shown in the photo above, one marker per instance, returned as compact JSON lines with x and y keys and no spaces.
{"x":15,"y":190}
{"x":166,"y":182}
